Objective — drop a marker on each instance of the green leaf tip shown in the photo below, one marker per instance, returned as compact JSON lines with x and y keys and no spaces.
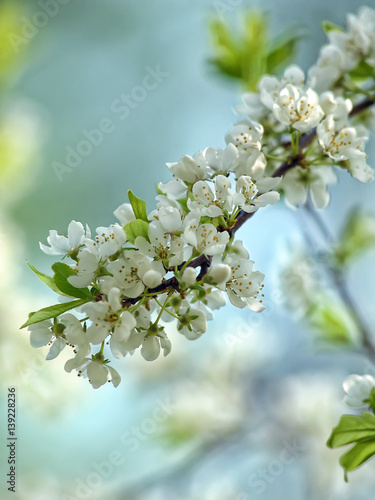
{"x":138,"y":206}
{"x":357,"y":430}
{"x":52,"y":311}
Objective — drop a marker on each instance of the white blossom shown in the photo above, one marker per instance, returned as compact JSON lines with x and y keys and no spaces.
{"x":128,"y":273}
{"x":109,"y":240}
{"x":192,"y":322}
{"x":169,"y":218}
{"x":206,"y":239}
{"x":219,"y":273}
{"x":173,"y":190}
{"x":270,"y":86}
{"x":252,"y":107}
{"x":188,"y":277}
{"x":341,"y":144}
{"x":161,"y":244}
{"x":44,"y":333}
{"x":153,"y":343}
{"x":79,"y":359}
{"x":108,"y":318}
{"x":206,"y":202}
{"x":85,"y":269}
{"x":244,"y":286}
{"x":297,"y":109}
{"x":292,"y":104}
{"x":298,"y":182}
{"x":98,"y":372}
{"x":336,"y":106}
{"x":238,"y":249}
{"x":360,"y":170}
{"x":358,"y":388}
{"x":327,"y":70}
{"x":73,"y":331}
{"x":124,"y":213}
{"x":121,"y":347}
{"x":246,"y":136}
{"x":221,"y":161}
{"x":358,"y":41}
{"x":62,"y":245}
{"x":249,"y":199}
{"x":190,"y":169}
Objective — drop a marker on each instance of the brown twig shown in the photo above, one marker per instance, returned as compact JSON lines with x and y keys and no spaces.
{"x":204,"y":261}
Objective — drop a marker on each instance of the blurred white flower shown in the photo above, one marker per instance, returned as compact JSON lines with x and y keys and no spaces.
{"x":358,"y":389}
{"x":298,"y":182}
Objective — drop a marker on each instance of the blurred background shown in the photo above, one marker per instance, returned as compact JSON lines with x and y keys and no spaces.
{"x":245,"y":411}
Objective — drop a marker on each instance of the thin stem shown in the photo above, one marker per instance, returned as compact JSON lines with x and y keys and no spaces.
{"x":166,"y":310}
{"x":320,"y":223}
{"x":338,"y":279}
{"x":307,"y":139}
{"x":101,"y":352}
{"x":294,"y":160}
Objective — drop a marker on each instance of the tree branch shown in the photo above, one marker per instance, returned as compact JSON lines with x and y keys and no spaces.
{"x":338,"y":279}
{"x":307,"y":139}
{"x":204,"y":261}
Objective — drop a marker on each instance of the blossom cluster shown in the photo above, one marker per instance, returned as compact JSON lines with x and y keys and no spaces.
{"x":180,"y":261}
{"x":177,"y":263}
{"x":319,"y":104}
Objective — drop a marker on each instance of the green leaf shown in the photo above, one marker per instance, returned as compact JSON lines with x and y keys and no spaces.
{"x":246,"y":54}
{"x":352,"y":428}
{"x":332,"y":322}
{"x":357,"y":455}
{"x":372,"y":399}
{"x":139,"y":207}
{"x":228,"y":57}
{"x":136,"y":228}
{"x":359,"y":430}
{"x":361,"y":71}
{"x":282,"y":52}
{"x":53,"y":311}
{"x":62,"y":272}
{"x":328,"y":26}
{"x":243,"y":56}
{"x":357,"y":237}
{"x":48,"y":280}
{"x":183,"y":204}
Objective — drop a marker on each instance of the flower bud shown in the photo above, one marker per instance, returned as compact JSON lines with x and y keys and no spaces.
{"x":188,"y":277}
{"x":152,"y":278}
{"x":220,"y":273}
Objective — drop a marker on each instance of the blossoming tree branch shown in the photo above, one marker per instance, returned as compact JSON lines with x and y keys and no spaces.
{"x":181,"y":261}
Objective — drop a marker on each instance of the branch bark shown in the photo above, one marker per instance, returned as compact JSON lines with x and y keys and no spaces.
{"x":203,"y":261}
